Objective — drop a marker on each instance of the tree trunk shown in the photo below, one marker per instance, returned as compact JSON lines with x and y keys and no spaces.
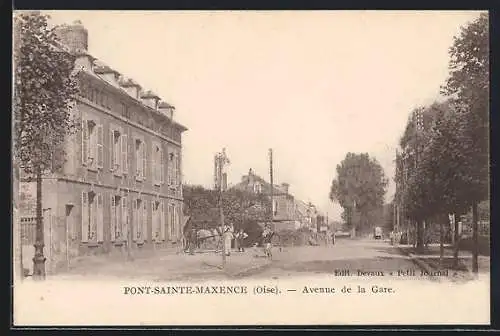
{"x":475,"y":242}
{"x":39,"y":258}
{"x":420,"y":236}
{"x":441,"y":241}
{"x":17,"y":232}
{"x":456,"y":240}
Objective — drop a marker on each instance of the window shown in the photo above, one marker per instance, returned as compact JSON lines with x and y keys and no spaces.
{"x":140,"y":154}
{"x":171,"y":221}
{"x":174,"y":171}
{"x":257,"y":188}
{"x":158,"y":165}
{"x":92,"y":217}
{"x":158,"y":220}
{"x":124,"y":110}
{"x":275,"y":207}
{"x":140,"y":224}
{"x":118,"y":218}
{"x":92,"y":144}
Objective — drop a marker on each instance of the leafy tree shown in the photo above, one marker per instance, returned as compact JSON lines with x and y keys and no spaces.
{"x":242,"y":208}
{"x":468,"y":87}
{"x":359,"y":188}
{"x":44,"y":92}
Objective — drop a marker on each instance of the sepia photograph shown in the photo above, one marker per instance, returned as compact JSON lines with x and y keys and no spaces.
{"x":250,"y":168}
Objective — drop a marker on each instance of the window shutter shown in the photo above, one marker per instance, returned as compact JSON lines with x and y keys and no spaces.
{"x":138,"y":151}
{"x":135,"y":219}
{"x":124,"y":221}
{"x":100,"y":146}
{"x":111,"y":150}
{"x":154,"y":227}
{"x":112,"y":228}
{"x":144,"y":220}
{"x":174,"y":208}
{"x":85,"y":142}
{"x":117,"y":153}
{"x":100,"y":218}
{"x":162,"y":168}
{"x":177,"y":169}
{"x":85,"y":217}
{"x":124,"y":153}
{"x":153,"y":164}
{"x":162,"y":220}
{"x":144,"y":160}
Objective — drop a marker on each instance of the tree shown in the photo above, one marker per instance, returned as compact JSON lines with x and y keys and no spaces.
{"x":241,"y":208}
{"x":359,"y":188}
{"x":45,"y":90}
{"x":468,"y":87}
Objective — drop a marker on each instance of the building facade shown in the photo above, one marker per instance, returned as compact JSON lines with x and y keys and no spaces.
{"x":288,"y":212}
{"x":120,"y":187}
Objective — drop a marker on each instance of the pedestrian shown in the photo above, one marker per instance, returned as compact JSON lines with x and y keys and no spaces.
{"x":267,"y":236}
{"x":240,"y":237}
{"x":227,"y":238}
{"x":192,"y":240}
{"x":218,"y":238}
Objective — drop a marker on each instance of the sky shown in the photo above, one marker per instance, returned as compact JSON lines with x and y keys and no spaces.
{"x":311,"y":85}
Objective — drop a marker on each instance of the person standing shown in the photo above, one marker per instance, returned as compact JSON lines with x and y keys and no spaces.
{"x":240,"y":237}
{"x":267,"y":236}
{"x":192,"y":240}
{"x":227,"y":237}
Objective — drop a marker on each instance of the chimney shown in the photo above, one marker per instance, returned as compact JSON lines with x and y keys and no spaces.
{"x":150,"y":99}
{"x":131,"y":87}
{"x":166,"y":109}
{"x":250,"y":176}
{"x":73,"y":36}
{"x":285,"y":187}
{"x":107,"y":73}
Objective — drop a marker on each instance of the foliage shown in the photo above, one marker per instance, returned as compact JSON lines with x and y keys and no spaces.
{"x":241,"y":208}
{"x":45,"y":90}
{"x":359,"y":187}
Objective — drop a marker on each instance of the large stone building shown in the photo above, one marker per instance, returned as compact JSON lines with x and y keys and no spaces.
{"x":121,"y":184}
{"x":288,"y":212}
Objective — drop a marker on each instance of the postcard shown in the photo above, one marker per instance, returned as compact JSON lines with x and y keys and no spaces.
{"x":257,"y":168}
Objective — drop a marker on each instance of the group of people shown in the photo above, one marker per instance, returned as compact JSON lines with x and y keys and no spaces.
{"x":224,"y":236}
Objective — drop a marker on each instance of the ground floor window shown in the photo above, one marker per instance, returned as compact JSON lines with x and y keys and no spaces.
{"x":92,"y":217}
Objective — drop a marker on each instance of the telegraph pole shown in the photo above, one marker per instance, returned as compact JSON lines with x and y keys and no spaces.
{"x":272,"y":184}
{"x":220,"y":161}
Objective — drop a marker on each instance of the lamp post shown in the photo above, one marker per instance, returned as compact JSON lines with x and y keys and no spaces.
{"x":221,"y":160}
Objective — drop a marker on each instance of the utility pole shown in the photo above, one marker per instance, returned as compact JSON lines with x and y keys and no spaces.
{"x":272,"y":184}
{"x":220,"y":161}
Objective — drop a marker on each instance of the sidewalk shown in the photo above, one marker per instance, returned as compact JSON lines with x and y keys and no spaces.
{"x":430,"y":262}
{"x":164,"y":265}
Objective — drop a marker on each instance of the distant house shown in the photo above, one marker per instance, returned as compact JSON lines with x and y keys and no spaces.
{"x":288,"y":212}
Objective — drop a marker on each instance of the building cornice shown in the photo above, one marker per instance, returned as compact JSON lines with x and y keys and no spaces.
{"x":136,"y":102}
{"x":128,"y":121}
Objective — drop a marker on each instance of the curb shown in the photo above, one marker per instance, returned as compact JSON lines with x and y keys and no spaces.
{"x":423,"y":265}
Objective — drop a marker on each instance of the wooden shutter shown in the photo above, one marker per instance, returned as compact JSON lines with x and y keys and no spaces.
{"x":144,"y":160}
{"x":112,"y":217}
{"x":111,"y":150}
{"x":100,"y":218}
{"x":124,"y":145}
{"x":100,"y":146}
{"x":85,"y":142}
{"x":162,"y":220}
{"x":162,"y":167}
{"x":153,"y":164}
{"x":85,"y":217}
{"x":144,"y":220}
{"x":154,"y":227}
{"x":138,"y":151}
{"x":135,"y":219}
{"x":124,"y":219}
